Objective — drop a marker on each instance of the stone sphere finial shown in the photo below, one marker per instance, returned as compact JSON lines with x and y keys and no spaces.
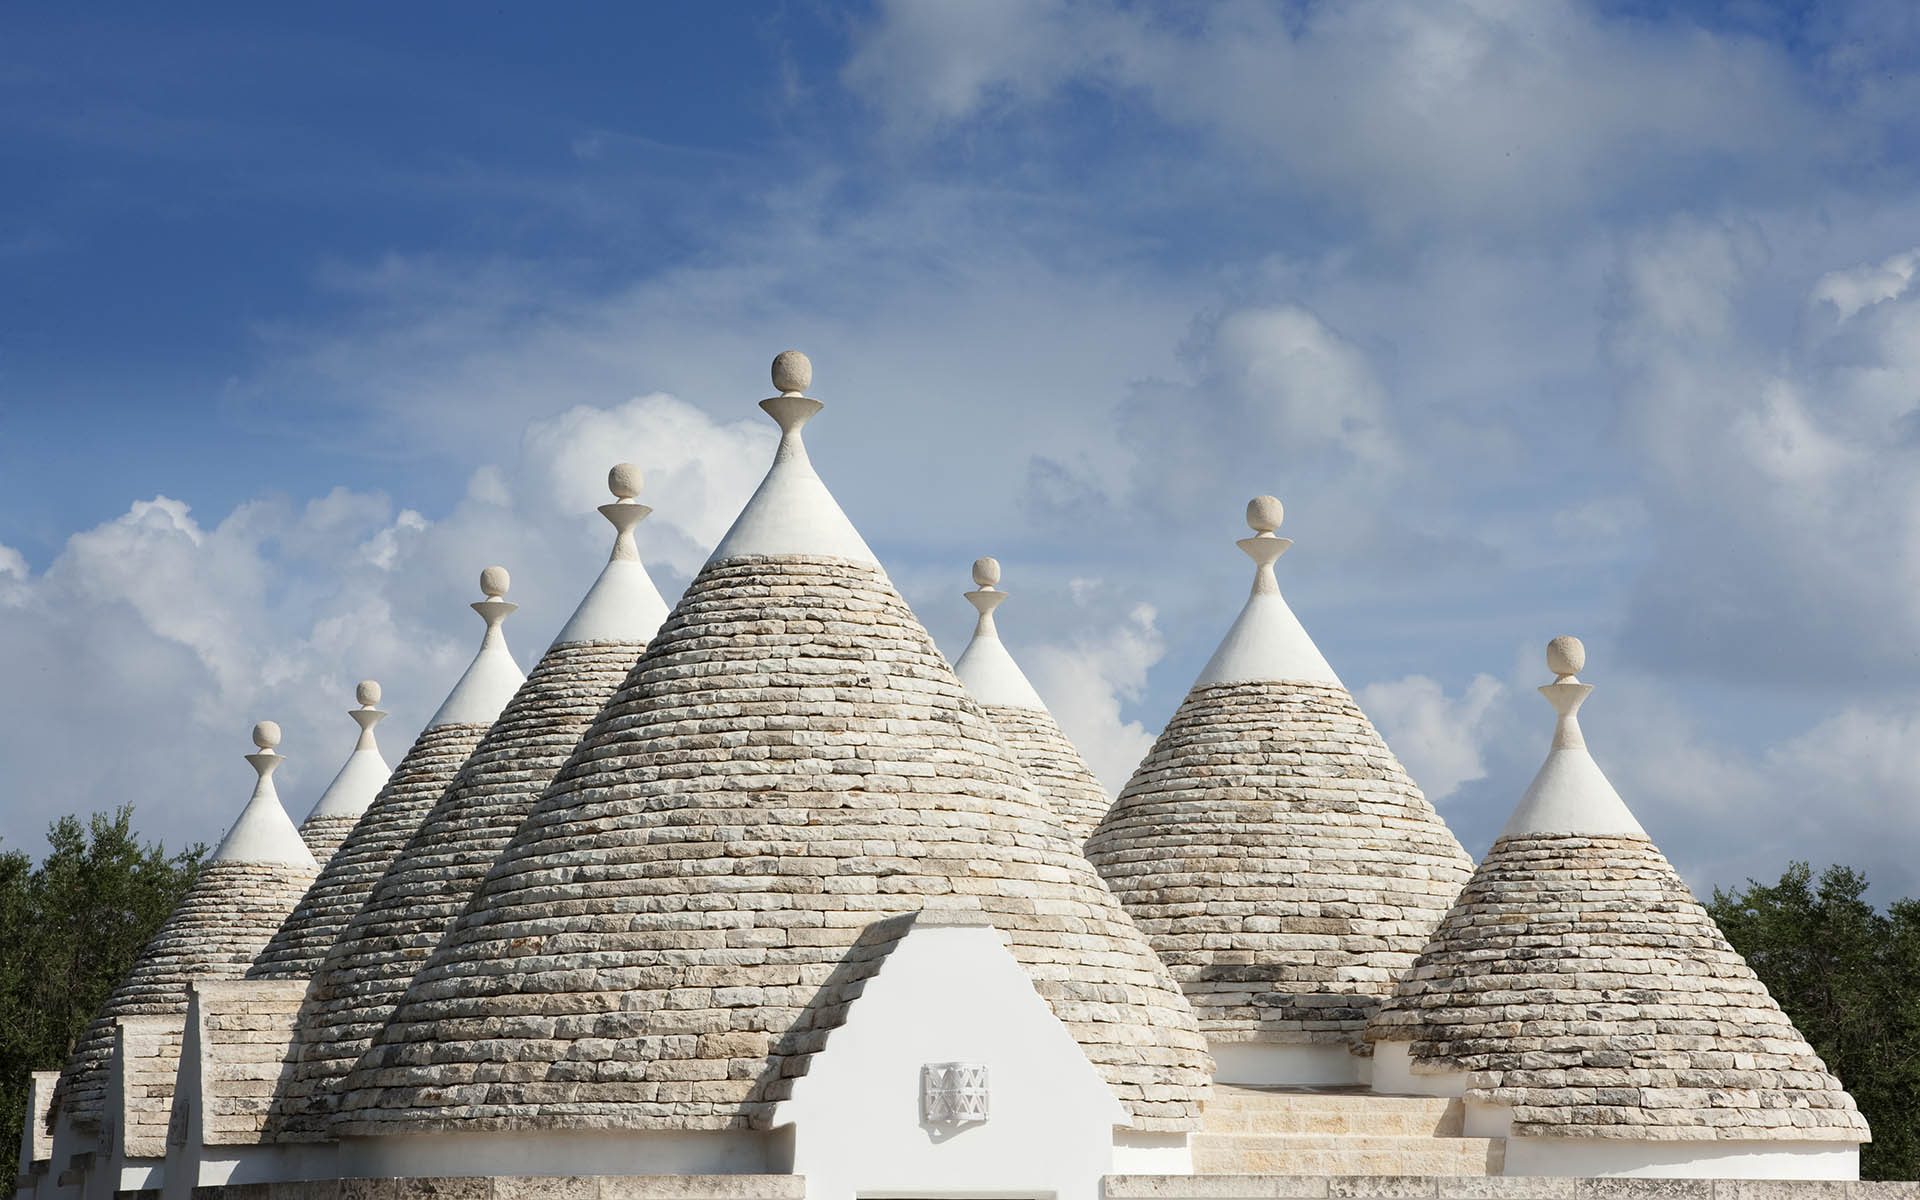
{"x":1566,"y":656}
{"x":494,"y":582}
{"x":1264,"y":514}
{"x":266,"y":735}
{"x":624,"y":481}
{"x":792,"y":373}
{"x":986,"y":572}
{"x":368,"y":693}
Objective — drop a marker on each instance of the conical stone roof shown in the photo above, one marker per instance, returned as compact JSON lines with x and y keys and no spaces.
{"x":790,"y":762}
{"x":1272,"y":848}
{"x":435,"y":874}
{"x":1001,"y":688}
{"x":359,"y":781}
{"x":1580,"y":983}
{"x":259,"y":871}
{"x":301,"y":943}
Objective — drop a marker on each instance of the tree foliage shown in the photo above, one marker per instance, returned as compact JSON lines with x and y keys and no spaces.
{"x":70,"y":929}
{"x":1849,"y":977}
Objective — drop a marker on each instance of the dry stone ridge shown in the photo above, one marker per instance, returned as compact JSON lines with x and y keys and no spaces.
{"x":682,"y":920}
{"x":435,"y":874}
{"x":996,"y":682}
{"x":1270,"y":845}
{"x":254,"y":878}
{"x":352,"y":791}
{"x":1579,"y":983}
{"x":301,"y":943}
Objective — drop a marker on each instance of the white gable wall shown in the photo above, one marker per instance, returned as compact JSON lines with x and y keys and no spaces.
{"x":951,"y":992}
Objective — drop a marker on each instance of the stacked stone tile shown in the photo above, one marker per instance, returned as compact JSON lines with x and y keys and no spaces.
{"x":245,"y":1028}
{"x":996,"y":681}
{"x":353,"y":790}
{"x":435,"y":875}
{"x":1270,"y":845}
{"x":661,"y":944}
{"x":301,"y":943}
{"x":255,"y":877}
{"x":1578,"y":982}
{"x":149,"y":1061}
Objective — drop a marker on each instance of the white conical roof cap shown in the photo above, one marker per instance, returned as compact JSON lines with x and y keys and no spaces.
{"x":365,"y":772}
{"x":792,"y":512}
{"x":264,"y":833}
{"x":1571,"y":794}
{"x":623,"y":605}
{"x":986,"y":668}
{"x":1267,"y":643}
{"x":492,"y":677}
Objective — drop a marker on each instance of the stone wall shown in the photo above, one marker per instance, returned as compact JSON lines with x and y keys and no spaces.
{"x":1409,"y":1187}
{"x":569,"y":1187}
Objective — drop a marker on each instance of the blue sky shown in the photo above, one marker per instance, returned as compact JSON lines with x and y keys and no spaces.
{"x":1541,"y":317}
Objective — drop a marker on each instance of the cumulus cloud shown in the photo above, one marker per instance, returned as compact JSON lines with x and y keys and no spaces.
{"x":1440,"y":739}
{"x":156,"y":638}
{"x":1781,"y":471}
{"x":1087,"y":681}
{"x":1407,"y":111}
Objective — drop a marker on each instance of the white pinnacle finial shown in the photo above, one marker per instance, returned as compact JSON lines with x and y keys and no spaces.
{"x":624,"y":481}
{"x":985,"y":668}
{"x":266,"y":759}
{"x":1264,"y":514}
{"x":266,"y":735}
{"x":368,"y":693}
{"x":263,"y":834}
{"x":1566,"y":658}
{"x":494,"y":582}
{"x":1570,"y":795}
{"x":792,"y":373}
{"x":368,"y":714}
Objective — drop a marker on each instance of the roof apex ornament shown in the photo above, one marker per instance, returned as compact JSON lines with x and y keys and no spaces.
{"x":267,"y":758}
{"x":985,"y":667}
{"x":368,"y":714}
{"x":1570,"y":794}
{"x":624,"y":481}
{"x":1264,"y":514}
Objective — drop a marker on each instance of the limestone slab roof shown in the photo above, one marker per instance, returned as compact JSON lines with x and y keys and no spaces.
{"x":217,"y":930}
{"x":1578,"y":981}
{"x":997,"y":683}
{"x":661,"y":943}
{"x":302,"y":940}
{"x":1271,"y":846}
{"x":435,"y":876}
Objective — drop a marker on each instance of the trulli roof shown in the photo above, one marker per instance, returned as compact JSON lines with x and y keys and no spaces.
{"x":353,"y":789}
{"x":1270,"y":845}
{"x":237,"y":901}
{"x":429,"y":765}
{"x":790,"y":762}
{"x":434,"y":876}
{"x":1579,"y":982}
{"x":1000,"y":687}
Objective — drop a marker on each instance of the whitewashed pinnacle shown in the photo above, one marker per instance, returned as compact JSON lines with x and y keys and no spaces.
{"x":264,"y":833}
{"x":1267,"y":643}
{"x":365,"y":772}
{"x":987,"y":670}
{"x":1570,"y":795}
{"x":623,"y":605}
{"x":492,"y":677}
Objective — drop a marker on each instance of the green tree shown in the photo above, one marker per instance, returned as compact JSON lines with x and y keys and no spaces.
{"x":1845,"y":973}
{"x":70,"y":930}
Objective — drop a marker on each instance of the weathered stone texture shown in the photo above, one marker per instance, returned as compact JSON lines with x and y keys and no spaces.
{"x":1055,"y":767}
{"x":672,"y":931}
{"x":347,"y":878}
{"x":1280,"y":860}
{"x":222,"y":923}
{"x":1581,"y":983}
{"x":436,"y":873}
{"x":246,"y":1028}
{"x":324,"y":835}
{"x":149,"y":1066}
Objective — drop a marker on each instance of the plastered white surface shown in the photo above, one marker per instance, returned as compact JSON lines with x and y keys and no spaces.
{"x":1570,"y":794}
{"x":952,"y":993}
{"x":792,"y":512}
{"x":623,"y":605}
{"x":1266,"y":1064}
{"x":490,"y":679}
{"x":264,"y":833}
{"x":986,"y":668}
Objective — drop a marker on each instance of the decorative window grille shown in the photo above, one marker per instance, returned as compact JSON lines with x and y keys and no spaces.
{"x":953,"y":1093}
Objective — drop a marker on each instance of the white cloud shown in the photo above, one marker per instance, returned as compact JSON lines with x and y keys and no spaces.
{"x":1411,"y":111}
{"x":1088,"y":679}
{"x":154,"y":640}
{"x":1440,"y":739}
